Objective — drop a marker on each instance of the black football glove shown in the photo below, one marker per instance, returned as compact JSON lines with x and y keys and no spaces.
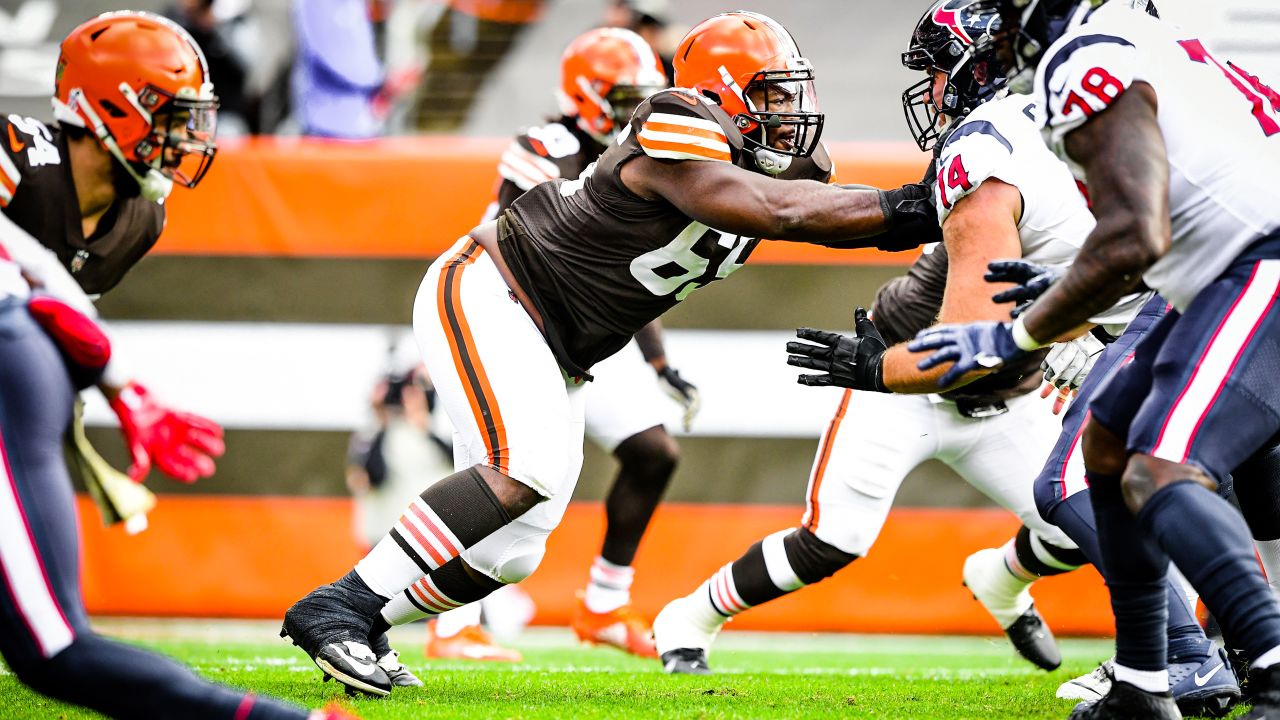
{"x":683,"y":392}
{"x":851,"y":362}
{"x":1032,"y":281}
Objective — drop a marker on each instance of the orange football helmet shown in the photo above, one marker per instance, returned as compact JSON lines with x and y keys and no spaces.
{"x":141,"y":85}
{"x":604,"y":74}
{"x":730,"y":56}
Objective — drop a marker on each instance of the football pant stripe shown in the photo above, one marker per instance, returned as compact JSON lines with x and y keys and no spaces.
{"x":1220,"y":357}
{"x":680,"y":151}
{"x":812,"y":511}
{"x":25,"y":576}
{"x":484,"y":406}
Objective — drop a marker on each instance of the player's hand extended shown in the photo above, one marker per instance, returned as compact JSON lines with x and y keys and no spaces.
{"x":180,"y":444}
{"x":852,"y":362}
{"x":1032,"y":280}
{"x":1067,"y":365}
{"x":683,"y":392}
{"x":981,"y":346}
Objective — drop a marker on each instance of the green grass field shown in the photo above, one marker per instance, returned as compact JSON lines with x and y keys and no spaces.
{"x":760,"y":675}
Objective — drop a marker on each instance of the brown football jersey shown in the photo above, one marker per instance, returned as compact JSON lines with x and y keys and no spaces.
{"x":910,"y":303}
{"x":38,"y":193}
{"x":601,"y":262}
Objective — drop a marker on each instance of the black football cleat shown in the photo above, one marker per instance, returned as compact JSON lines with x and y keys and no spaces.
{"x":686,"y":661}
{"x":1033,"y":640}
{"x":1264,"y":691}
{"x":1127,"y":702}
{"x":331,"y":625}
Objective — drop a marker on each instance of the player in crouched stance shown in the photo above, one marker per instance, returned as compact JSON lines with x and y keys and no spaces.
{"x":604,"y":75}
{"x":1197,"y":222}
{"x":135,"y":110}
{"x":513,"y":317}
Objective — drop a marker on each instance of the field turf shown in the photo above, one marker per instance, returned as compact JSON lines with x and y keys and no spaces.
{"x":759,"y":676}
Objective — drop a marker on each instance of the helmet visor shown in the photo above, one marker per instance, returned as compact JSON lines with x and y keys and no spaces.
{"x":785,"y":104}
{"x":183,"y":137}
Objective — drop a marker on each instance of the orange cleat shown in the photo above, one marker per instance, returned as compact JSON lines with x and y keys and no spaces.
{"x":333,"y":711}
{"x":471,"y":643}
{"x":622,"y":628}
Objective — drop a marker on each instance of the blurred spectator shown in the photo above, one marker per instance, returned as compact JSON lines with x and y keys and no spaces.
{"x":465,"y":44}
{"x":336,"y":73}
{"x":218,"y":27}
{"x":650,"y":19}
{"x":392,"y":463}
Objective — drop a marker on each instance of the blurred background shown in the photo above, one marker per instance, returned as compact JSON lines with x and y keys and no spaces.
{"x":360,"y":139}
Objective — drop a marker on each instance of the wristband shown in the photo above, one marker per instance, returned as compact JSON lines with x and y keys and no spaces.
{"x":1022,"y":338}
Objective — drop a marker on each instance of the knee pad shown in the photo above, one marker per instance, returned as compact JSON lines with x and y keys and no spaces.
{"x":508,"y":559}
{"x":812,"y":559}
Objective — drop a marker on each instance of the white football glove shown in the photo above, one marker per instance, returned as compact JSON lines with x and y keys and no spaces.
{"x":1068,"y":363}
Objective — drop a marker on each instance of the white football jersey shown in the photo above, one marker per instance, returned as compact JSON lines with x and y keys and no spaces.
{"x":1220,"y":127}
{"x":1000,"y":139}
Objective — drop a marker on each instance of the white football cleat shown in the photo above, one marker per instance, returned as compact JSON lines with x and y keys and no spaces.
{"x":678,"y":635}
{"x":1008,"y":599}
{"x":1089,"y":687}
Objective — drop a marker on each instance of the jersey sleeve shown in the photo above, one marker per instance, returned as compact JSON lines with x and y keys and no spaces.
{"x":977,"y":150}
{"x":526,"y":163}
{"x":1080,"y":78}
{"x":679,"y":125}
{"x":12,"y":160}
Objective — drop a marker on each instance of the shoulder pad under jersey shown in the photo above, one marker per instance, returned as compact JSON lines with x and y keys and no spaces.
{"x":1080,"y":76}
{"x":678,"y":124}
{"x":977,"y":149}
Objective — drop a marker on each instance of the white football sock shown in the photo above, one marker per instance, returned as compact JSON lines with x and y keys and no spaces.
{"x":1156,"y":681}
{"x":1269,"y":553}
{"x":609,"y":587}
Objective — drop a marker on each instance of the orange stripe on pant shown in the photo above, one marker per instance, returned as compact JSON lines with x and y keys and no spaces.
{"x":812,"y":509}
{"x":484,"y":404}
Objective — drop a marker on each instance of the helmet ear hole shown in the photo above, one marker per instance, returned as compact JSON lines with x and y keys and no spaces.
{"x":713,"y":96}
{"x":112,"y":109}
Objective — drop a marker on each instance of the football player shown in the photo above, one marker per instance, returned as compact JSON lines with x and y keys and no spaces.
{"x":1129,"y":101}
{"x":1000,"y":193}
{"x":604,"y":74}
{"x":513,"y":317}
{"x":149,"y":78}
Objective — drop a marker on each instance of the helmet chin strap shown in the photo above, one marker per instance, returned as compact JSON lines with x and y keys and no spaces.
{"x":154,"y":185}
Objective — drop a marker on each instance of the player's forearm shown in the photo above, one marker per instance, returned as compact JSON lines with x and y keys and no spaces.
{"x":805,"y":211}
{"x":649,"y":338}
{"x":902,"y":376}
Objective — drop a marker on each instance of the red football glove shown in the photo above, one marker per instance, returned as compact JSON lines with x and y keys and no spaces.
{"x":182,"y":445}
